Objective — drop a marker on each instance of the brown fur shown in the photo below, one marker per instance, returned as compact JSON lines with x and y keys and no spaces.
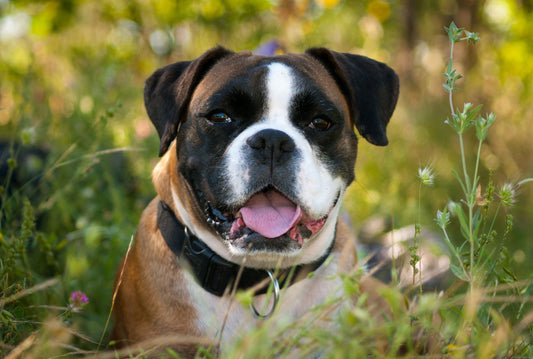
{"x":156,"y":302}
{"x":152,"y":303}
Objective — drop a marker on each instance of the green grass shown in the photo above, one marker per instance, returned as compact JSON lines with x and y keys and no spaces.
{"x":66,"y":228}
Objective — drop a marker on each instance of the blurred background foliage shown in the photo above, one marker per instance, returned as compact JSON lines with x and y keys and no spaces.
{"x":77,"y":143}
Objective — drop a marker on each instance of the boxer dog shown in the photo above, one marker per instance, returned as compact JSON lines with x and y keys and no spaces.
{"x":257,"y":153}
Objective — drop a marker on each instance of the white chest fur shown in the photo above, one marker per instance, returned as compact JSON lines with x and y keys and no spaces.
{"x":225,"y":319}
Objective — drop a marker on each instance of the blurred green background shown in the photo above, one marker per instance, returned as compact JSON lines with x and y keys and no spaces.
{"x":71,"y":80}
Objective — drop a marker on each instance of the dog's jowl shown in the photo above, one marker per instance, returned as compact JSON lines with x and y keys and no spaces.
{"x":256,"y":154}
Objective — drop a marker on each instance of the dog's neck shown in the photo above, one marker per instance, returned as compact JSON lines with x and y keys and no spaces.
{"x":215,"y":274}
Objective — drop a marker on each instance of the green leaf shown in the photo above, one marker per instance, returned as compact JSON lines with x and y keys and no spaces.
{"x":460,"y":213}
{"x":351,"y":286}
{"x":172,"y":353}
{"x":458,"y":272}
{"x":459,"y":180}
{"x":476,"y":222}
{"x":454,"y":32}
{"x":12,"y":163}
{"x":443,"y":218}
{"x":60,"y":245}
{"x":450,"y":66}
{"x":471,"y":37}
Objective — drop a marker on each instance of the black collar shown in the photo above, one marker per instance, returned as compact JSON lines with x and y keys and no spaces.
{"x":214,"y":273}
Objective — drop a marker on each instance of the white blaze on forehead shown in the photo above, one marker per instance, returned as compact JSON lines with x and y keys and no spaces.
{"x":280,"y":91}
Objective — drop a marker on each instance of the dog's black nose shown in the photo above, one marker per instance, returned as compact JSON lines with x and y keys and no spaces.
{"x":271,"y":146}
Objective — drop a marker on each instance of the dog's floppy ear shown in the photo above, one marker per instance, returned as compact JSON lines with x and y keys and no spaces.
{"x":168,"y":91}
{"x":370,"y":87}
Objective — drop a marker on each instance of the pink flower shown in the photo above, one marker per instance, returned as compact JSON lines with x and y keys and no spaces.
{"x":78,"y":300}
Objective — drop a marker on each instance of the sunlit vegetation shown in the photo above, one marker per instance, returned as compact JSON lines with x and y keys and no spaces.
{"x":77,"y":149}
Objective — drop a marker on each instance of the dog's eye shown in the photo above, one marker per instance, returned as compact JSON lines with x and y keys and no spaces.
{"x":320,"y":124}
{"x":219,"y":117}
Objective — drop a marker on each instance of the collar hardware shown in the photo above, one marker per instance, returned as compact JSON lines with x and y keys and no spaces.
{"x":275,"y":286}
{"x":216,"y":274}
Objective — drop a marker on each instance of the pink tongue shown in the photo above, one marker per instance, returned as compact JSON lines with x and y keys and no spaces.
{"x":270,"y":214}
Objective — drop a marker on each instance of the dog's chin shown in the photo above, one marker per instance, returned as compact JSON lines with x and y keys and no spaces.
{"x":256,"y":243}
{"x":236,"y":229}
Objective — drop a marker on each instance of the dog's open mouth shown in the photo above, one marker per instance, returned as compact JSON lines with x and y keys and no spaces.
{"x":269,"y":215}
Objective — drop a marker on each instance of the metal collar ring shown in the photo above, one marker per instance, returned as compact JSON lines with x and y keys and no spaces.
{"x":274,"y":304}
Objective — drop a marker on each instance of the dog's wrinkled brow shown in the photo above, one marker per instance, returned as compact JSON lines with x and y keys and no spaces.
{"x":312,"y":102}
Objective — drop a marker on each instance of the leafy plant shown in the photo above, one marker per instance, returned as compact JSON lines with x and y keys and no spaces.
{"x":480,"y":258}
{"x":72,"y":85}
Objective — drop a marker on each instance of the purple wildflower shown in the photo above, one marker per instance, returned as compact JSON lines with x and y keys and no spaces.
{"x":268,"y":48}
{"x":78,"y":300}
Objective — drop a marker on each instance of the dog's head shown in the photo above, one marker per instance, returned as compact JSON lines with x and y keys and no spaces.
{"x":265,"y":146}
